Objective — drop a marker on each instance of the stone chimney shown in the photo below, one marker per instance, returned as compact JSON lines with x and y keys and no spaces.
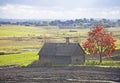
{"x":67,"y":40}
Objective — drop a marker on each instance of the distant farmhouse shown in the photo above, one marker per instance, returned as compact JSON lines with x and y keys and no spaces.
{"x":62,"y":53}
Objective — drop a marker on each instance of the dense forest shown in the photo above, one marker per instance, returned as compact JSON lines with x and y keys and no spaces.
{"x":64,"y":24}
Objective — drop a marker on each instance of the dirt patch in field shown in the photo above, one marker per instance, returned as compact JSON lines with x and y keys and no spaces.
{"x":59,"y":75}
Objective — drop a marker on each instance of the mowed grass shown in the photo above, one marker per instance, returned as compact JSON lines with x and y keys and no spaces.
{"x":22,"y":59}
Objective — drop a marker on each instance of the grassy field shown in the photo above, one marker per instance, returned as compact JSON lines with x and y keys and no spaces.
{"x":20,"y":31}
{"x":15,"y":38}
{"x":13,"y":31}
{"x":22,"y":59}
{"x":105,"y":63}
{"x":18,"y":37}
{"x":26,"y":58}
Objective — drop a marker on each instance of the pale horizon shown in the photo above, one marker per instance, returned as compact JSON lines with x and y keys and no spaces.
{"x":59,"y":9}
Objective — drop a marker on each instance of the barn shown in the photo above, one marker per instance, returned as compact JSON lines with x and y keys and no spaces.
{"x":62,"y":53}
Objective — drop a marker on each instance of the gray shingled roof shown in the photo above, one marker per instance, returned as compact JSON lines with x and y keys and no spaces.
{"x":60,"y":49}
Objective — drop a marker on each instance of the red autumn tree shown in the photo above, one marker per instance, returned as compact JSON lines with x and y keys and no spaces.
{"x":100,"y":42}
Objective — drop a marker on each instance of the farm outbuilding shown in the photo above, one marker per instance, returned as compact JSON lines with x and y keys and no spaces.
{"x":62,"y":53}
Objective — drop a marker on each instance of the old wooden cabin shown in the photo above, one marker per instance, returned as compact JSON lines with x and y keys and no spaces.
{"x":62,"y":53}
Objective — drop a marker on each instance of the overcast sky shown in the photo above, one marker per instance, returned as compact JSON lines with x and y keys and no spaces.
{"x":59,"y":9}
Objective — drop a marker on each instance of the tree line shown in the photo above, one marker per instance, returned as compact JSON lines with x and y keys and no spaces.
{"x":77,"y":23}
